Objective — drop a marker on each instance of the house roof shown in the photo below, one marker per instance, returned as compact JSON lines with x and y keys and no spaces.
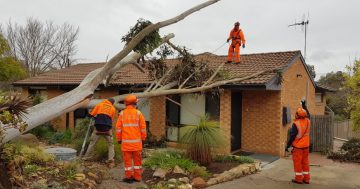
{"x":130,"y":75}
{"x":324,"y":88}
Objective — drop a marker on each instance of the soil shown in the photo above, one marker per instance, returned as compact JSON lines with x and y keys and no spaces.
{"x":217,"y":168}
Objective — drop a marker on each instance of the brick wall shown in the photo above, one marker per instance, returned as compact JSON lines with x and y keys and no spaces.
{"x":261,"y":122}
{"x":158,"y":116}
{"x":225,"y":118}
{"x":294,"y":89}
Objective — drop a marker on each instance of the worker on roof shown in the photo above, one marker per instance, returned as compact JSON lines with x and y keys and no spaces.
{"x":131,"y":134}
{"x":103,"y":113}
{"x":237,"y":39}
{"x":300,"y":141}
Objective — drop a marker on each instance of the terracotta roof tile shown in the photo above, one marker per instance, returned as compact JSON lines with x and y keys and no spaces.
{"x":129,"y":75}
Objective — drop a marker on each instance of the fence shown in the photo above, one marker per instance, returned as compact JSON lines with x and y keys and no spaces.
{"x":343,"y":130}
{"x":322,"y":132}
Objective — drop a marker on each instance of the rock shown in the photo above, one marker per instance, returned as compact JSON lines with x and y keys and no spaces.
{"x":178,"y":170}
{"x":257,"y":165}
{"x":27,"y":139}
{"x":185,"y":186}
{"x":184,"y":180}
{"x":94,"y":176}
{"x":80,"y":176}
{"x":160,"y":173}
{"x":198,"y":182}
{"x":212,"y":181}
{"x":174,"y":181}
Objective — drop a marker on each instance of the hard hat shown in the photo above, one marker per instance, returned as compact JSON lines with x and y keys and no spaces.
{"x":111,"y":100}
{"x":237,"y":24}
{"x":130,"y":99}
{"x":301,"y":113}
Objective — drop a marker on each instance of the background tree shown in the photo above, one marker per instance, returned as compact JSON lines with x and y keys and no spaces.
{"x":42,"y":46}
{"x":336,"y":101}
{"x":10,"y":69}
{"x":353,"y":84}
{"x":311,"y":69}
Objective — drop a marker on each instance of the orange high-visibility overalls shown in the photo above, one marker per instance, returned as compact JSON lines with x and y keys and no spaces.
{"x":131,"y":131}
{"x":237,"y":38}
{"x":300,"y":153}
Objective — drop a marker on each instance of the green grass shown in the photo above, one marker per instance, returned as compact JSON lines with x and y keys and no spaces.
{"x":168,"y":160}
{"x":233,"y":158}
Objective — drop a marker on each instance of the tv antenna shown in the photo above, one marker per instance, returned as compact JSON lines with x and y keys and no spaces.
{"x":304,"y":27}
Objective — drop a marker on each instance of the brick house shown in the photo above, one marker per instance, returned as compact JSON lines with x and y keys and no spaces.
{"x":254,"y":114}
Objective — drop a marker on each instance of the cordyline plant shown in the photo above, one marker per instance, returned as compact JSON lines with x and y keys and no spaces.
{"x":200,"y":140}
{"x":12,"y":108}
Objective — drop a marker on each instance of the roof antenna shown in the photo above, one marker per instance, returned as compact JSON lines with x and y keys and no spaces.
{"x":304,"y":27}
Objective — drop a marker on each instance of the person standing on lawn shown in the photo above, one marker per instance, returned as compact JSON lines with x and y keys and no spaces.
{"x":131,"y":134}
{"x":300,"y":141}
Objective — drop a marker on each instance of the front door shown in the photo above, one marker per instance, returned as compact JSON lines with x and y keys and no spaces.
{"x":236,"y":115}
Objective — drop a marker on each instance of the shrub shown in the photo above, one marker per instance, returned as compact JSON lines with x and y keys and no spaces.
{"x":31,"y":168}
{"x":200,"y":140}
{"x":45,"y":131}
{"x":61,"y":137}
{"x":350,"y":151}
{"x":101,"y":149}
{"x":199,"y":171}
{"x":35,"y":155}
{"x":168,"y":160}
{"x":233,"y":158}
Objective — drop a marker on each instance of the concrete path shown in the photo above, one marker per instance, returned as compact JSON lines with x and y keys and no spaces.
{"x":324,"y":174}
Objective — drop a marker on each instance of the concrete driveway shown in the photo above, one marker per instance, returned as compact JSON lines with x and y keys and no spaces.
{"x":324,"y":174}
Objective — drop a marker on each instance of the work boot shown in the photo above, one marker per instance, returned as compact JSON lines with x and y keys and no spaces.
{"x":229,"y":62}
{"x":295,"y":181}
{"x":306,"y":182}
{"x":128,"y":180}
{"x":135,"y":180}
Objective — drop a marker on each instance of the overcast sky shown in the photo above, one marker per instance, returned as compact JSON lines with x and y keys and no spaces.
{"x":333,"y":32}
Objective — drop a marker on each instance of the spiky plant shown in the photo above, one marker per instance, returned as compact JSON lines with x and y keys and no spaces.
{"x":14,"y":104}
{"x":200,"y":140}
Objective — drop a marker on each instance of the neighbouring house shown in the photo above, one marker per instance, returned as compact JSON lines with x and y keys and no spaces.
{"x":254,"y":114}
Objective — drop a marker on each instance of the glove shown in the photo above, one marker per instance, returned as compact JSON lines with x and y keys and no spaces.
{"x":119,"y":142}
{"x":227,"y":40}
{"x":303,"y":102}
{"x":243,"y":45}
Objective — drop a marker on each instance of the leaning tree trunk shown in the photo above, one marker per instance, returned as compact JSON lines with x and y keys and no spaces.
{"x":78,"y":97}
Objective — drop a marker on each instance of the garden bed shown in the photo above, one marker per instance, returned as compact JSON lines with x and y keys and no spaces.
{"x":172,"y":169}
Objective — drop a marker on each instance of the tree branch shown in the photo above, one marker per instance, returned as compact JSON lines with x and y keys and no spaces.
{"x":214,"y":74}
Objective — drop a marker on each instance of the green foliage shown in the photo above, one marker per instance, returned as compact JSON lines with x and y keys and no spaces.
{"x":61,"y":137}
{"x":168,"y":160}
{"x":200,"y":171}
{"x":350,"y":151}
{"x":30,"y":155}
{"x":335,"y":100}
{"x":200,"y":140}
{"x":233,"y":159}
{"x":101,"y":149}
{"x":153,"y":142}
{"x":45,"y":131}
{"x":69,"y":169}
{"x":31,"y":168}
{"x":353,"y":84}
{"x":10,"y":69}
{"x":149,"y":42}
{"x":311,"y":69}
{"x":37,"y":99}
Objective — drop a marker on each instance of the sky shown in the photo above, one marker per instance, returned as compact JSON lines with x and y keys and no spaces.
{"x":333,"y":31}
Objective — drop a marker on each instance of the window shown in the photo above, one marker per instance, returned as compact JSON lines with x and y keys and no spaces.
{"x":173,"y":111}
{"x":318,"y":98}
{"x":213,"y":106}
{"x":192,"y":106}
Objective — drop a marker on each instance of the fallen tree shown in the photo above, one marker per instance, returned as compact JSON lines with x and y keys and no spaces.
{"x":79,"y":97}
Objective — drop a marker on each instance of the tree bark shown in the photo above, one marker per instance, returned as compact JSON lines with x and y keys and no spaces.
{"x":78,"y":97}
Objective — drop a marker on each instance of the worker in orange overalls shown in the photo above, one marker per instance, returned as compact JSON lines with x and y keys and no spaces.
{"x":237,"y":38}
{"x":300,"y":141}
{"x":103,"y":113}
{"x":131,"y":133}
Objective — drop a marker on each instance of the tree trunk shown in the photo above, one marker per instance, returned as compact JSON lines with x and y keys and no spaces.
{"x":78,"y":97}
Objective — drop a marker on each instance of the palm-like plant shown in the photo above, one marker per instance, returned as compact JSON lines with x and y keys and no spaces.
{"x":201,"y":139}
